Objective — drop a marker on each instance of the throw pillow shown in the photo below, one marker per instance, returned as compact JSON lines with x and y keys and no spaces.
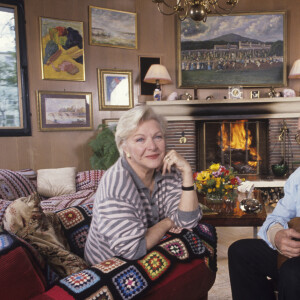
{"x":25,"y":218}
{"x":14,"y":185}
{"x":56,"y":182}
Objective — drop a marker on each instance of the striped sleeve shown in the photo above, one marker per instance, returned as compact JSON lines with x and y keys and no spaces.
{"x":119,"y":225}
{"x":172,"y":199}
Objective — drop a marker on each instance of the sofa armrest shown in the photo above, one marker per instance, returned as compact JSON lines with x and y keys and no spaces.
{"x":23,"y":272}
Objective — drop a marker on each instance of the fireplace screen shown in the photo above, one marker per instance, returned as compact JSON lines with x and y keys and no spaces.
{"x":239,"y":144}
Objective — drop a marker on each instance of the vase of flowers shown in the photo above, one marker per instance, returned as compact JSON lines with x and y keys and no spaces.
{"x":219,"y":186}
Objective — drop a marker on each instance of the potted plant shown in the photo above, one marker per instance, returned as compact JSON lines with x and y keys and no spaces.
{"x":105,"y":151}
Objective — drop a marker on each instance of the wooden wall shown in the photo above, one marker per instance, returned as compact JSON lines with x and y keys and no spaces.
{"x":156,"y":37}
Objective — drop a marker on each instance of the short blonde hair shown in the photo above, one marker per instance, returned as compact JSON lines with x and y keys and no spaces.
{"x":131,"y":119}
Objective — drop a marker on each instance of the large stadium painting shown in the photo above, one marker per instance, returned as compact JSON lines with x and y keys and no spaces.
{"x":239,"y":49}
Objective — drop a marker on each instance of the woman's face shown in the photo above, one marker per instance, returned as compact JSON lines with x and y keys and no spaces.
{"x":146,"y":146}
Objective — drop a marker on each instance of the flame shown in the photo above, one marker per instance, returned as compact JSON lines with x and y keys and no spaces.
{"x":238,"y":140}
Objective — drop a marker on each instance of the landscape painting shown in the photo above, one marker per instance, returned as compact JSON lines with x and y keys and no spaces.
{"x":112,"y":28}
{"x":239,"y":49}
{"x":64,"y":111}
{"x":62,"y":49}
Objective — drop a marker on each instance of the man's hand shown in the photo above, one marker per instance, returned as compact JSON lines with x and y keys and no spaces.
{"x":287,"y":243}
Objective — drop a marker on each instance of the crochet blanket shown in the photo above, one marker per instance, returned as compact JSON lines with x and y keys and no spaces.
{"x":119,"y":278}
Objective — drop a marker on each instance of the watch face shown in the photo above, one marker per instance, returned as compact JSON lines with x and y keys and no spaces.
{"x":235,"y":93}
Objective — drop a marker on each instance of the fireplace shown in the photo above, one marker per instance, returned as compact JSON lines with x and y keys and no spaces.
{"x":198,"y":120}
{"x":240,"y":144}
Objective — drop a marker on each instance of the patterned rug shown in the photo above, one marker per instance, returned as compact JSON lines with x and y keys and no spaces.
{"x":118,"y":278}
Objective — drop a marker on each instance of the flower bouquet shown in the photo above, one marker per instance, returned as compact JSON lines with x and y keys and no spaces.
{"x":218,"y":184}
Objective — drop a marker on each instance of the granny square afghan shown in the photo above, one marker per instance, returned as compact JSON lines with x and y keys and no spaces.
{"x":130,"y":282}
{"x":176,"y":247}
{"x":102,"y":294}
{"x":155,"y":264}
{"x":80,"y":281}
{"x":70,"y":217}
{"x":120,"y":278}
{"x":194,"y":242}
{"x":109,"y":264}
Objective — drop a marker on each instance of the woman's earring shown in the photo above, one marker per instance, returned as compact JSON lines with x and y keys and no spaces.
{"x":128,"y":155}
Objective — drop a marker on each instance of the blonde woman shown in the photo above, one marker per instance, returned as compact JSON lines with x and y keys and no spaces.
{"x":144,"y":194}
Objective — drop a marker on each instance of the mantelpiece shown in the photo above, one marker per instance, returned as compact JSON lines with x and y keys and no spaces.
{"x":261,"y":108}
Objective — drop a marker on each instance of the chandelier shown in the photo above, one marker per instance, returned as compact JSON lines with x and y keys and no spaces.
{"x":196,"y":10}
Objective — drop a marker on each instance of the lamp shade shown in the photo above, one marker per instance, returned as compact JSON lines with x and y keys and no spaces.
{"x":295,"y":71}
{"x":158,"y":73}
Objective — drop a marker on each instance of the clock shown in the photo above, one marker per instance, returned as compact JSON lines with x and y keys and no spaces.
{"x":235,"y":92}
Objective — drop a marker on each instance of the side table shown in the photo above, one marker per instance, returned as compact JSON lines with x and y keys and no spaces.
{"x":238,"y":217}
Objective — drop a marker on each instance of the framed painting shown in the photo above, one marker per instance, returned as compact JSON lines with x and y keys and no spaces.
{"x":112,"y":28}
{"x":62,"y":49}
{"x":14,"y":91}
{"x":246,"y":49}
{"x":145,"y":63}
{"x":59,"y":111}
{"x":115,"y":89}
{"x":111,"y":123}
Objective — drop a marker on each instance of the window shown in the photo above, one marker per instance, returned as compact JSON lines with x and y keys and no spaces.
{"x":14,"y":99}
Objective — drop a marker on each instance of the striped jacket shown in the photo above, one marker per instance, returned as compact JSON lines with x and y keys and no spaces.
{"x":123,"y":210}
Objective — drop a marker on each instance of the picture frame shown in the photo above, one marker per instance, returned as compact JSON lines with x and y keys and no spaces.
{"x":111,"y":123}
{"x":250,"y":51}
{"x":62,"y":49}
{"x":14,"y":102}
{"x":145,"y":63}
{"x":254,"y":94}
{"x":112,"y":28}
{"x":115,"y":89}
{"x":63,"y":111}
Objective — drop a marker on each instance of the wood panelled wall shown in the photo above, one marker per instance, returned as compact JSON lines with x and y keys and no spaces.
{"x":156,"y":37}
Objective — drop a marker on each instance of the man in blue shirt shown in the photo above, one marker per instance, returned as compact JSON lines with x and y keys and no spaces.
{"x":253,"y":262}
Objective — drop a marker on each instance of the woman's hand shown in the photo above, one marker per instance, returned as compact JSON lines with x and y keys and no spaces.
{"x":173,"y":158}
{"x":286,"y":243}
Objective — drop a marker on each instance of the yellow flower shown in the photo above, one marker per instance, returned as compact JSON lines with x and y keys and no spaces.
{"x":204,"y":175}
{"x":209,"y":190}
{"x":214,"y":167}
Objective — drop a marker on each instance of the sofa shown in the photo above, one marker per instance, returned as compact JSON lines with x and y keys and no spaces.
{"x":181,"y":266}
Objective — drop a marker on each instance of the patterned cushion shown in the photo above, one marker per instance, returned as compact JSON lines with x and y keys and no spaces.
{"x":64,"y":201}
{"x":76,"y":223}
{"x":14,"y":185}
{"x":88,"y":180}
{"x":30,"y":174}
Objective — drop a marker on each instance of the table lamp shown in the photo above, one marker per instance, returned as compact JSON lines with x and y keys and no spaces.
{"x":157,"y":74}
{"x":295,"y":71}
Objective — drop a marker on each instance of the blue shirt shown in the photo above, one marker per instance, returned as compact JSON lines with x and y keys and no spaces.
{"x":286,"y":209}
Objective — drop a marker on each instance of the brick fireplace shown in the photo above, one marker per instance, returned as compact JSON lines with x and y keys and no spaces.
{"x":188,"y":120}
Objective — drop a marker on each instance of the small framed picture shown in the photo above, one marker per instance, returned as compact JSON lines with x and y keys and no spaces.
{"x":235,"y":92}
{"x":110,"y":123}
{"x":254,"y":94}
{"x":59,"y":111}
{"x":115,"y":89}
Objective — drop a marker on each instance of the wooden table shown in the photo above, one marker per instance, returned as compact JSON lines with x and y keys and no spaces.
{"x":237,"y":218}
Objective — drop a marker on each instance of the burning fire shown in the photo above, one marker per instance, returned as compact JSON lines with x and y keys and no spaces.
{"x":239,"y":139}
